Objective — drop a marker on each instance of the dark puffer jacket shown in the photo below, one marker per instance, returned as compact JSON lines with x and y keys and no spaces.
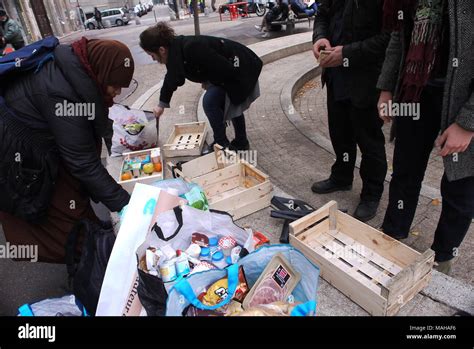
{"x":35,"y":98}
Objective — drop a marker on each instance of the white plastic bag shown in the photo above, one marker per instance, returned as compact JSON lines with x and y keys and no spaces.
{"x":133,"y":130}
{"x":118,"y":295}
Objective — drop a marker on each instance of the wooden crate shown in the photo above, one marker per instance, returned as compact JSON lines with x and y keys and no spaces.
{"x":186,"y":140}
{"x":146,"y":179}
{"x":237,"y":188}
{"x":374,"y":270}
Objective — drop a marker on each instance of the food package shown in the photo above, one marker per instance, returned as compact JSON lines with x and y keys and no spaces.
{"x":275,"y":284}
{"x":272,"y":309}
{"x":133,"y":130}
{"x":217,"y":292}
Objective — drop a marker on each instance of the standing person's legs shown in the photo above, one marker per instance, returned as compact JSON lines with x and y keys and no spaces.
{"x":240,"y":142}
{"x":456,"y":217}
{"x":371,"y":141}
{"x":413,"y":145}
{"x":214,"y":104}
{"x":343,"y":141}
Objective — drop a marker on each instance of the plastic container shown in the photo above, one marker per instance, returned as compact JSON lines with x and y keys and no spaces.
{"x":213,"y":244}
{"x":194,"y":250}
{"x":182,"y":265}
{"x":168,"y":271}
{"x":218,"y":260}
{"x":205,"y":254}
{"x":226,"y":244}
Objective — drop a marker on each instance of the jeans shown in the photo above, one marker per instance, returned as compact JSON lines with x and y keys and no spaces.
{"x":214,"y":104}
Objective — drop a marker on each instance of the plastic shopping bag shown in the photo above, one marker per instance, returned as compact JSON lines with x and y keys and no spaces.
{"x":133,"y":130}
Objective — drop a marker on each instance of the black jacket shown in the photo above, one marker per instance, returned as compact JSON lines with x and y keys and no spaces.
{"x":219,"y":61}
{"x":364,"y":43}
{"x":35,"y":98}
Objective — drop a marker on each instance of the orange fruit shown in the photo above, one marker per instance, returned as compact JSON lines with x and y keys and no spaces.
{"x":126,"y":176}
{"x":157,"y":166}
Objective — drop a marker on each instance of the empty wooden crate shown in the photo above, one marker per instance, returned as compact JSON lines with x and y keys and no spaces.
{"x":186,"y":140}
{"x":374,"y":270}
{"x":236,"y":186}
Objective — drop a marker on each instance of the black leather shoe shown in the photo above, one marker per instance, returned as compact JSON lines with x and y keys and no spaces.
{"x":366,"y":210}
{"x":239,"y":146}
{"x":328,"y":186}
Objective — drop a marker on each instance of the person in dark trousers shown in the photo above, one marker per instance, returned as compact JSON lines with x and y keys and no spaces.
{"x":227,"y":70}
{"x":279,"y":12}
{"x":430,"y":62}
{"x":10,"y":31}
{"x":98,"y":18}
{"x":351,"y":30}
{"x":87,"y":72}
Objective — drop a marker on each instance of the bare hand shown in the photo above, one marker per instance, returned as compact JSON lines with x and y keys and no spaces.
{"x":383,"y":106}
{"x":334,"y":59}
{"x":158,"y":111}
{"x":319,"y":45}
{"x":454,"y":139}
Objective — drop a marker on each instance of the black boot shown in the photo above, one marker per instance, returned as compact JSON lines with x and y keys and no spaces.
{"x":328,"y":186}
{"x":366,"y":210}
{"x":239,"y":146}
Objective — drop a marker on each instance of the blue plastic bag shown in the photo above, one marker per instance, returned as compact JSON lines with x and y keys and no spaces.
{"x":184,"y":292}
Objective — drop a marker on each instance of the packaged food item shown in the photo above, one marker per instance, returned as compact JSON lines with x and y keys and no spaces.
{"x":168,"y":271}
{"x":197,"y":199}
{"x":182,"y":264}
{"x":153,"y":257}
{"x":218,"y":260}
{"x":194,"y":250}
{"x":200,"y":239}
{"x":213,"y":244}
{"x":226,"y":244}
{"x":155,"y":155}
{"x":136,"y":170}
{"x":168,"y":251}
{"x":193,"y":311}
{"x":235,"y":254}
{"x":205,"y":254}
{"x":259,"y":239}
{"x":202,"y":266}
{"x":272,"y":309}
{"x":275,"y":284}
{"x":217,"y":292}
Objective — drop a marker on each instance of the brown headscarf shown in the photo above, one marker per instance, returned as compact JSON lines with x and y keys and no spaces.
{"x":108,"y":62}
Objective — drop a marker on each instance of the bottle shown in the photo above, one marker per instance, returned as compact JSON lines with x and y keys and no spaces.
{"x":182,"y":264}
{"x":205,"y":254}
{"x":228,"y":260}
{"x":218,"y":260}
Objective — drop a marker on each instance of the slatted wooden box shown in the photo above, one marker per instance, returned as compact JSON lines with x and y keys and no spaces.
{"x":186,"y":140}
{"x":234,"y":186}
{"x":374,"y":270}
{"x":129,"y":184}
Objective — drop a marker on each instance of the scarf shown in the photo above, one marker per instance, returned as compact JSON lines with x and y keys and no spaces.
{"x":426,"y":38}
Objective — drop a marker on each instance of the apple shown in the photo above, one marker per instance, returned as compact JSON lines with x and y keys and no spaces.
{"x":148,"y":168}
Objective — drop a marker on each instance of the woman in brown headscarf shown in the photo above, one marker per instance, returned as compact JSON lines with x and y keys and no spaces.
{"x":67,"y":101}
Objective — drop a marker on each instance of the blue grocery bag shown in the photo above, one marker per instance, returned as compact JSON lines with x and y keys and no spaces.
{"x":184,"y":292}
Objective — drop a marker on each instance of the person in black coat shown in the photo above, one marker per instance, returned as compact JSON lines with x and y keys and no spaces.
{"x":228,"y":71}
{"x":68,"y":101}
{"x":351,"y":31}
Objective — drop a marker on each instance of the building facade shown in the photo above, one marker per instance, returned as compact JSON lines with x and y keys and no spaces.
{"x":42,"y":18}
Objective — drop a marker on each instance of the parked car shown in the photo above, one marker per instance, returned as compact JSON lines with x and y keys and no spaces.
{"x":114,"y":16}
{"x":139,"y":10}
